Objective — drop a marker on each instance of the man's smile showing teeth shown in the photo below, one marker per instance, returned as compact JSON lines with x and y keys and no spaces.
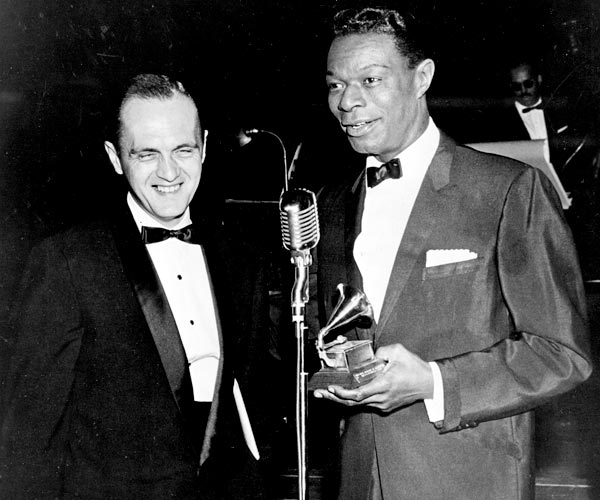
{"x":167,"y":189}
{"x":358,"y":128}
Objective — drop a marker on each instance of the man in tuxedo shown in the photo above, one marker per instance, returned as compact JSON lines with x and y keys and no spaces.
{"x":119,"y":387}
{"x":470,"y":268}
{"x":531,"y":115}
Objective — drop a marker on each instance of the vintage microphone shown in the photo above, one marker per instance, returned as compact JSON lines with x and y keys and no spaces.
{"x":300,"y":234}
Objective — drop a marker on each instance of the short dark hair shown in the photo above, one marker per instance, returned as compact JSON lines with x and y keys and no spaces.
{"x":402,"y":27}
{"x":147,"y":86}
{"x":520,"y":62}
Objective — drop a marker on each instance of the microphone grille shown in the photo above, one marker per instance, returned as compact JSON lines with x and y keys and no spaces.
{"x":299,"y":220}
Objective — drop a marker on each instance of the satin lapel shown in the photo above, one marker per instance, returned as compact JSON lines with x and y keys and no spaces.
{"x":553,"y":121}
{"x":428,"y":205}
{"x":519,"y":125}
{"x":213,"y":260}
{"x":355,"y":200}
{"x":151,"y":296}
{"x":355,"y":203}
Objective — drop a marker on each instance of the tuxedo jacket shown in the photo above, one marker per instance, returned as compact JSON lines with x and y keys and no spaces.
{"x":99,"y":391}
{"x":507,"y":328}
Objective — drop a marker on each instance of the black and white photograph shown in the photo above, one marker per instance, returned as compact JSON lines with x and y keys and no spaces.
{"x":284,"y":250}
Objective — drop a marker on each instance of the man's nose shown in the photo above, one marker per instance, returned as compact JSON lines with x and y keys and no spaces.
{"x":351,"y":97}
{"x":520,"y":88}
{"x":167,"y":169}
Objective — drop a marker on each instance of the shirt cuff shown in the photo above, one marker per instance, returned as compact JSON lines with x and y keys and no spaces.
{"x":435,"y":405}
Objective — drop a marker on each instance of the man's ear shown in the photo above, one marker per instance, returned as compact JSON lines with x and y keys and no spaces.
{"x":111,"y":151}
{"x":424,"y":76}
{"x":204,"y":145}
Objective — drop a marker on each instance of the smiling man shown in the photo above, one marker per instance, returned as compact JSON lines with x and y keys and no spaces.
{"x":472,"y":274}
{"x":160,"y":153}
{"x":119,"y":387}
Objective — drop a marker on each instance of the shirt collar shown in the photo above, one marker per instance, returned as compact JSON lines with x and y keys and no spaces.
{"x":520,"y":107}
{"x":143,"y":218}
{"x":419,"y":154}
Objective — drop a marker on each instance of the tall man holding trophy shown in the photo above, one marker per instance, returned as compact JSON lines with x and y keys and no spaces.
{"x":470,"y":269}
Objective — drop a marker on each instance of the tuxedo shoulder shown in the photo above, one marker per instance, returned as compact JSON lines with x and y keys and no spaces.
{"x":88,"y":235}
{"x":482,"y":163}
{"x":481,"y":172}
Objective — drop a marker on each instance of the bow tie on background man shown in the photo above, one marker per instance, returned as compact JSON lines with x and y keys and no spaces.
{"x":156,"y":234}
{"x":389,"y":170}
{"x":537,"y":106}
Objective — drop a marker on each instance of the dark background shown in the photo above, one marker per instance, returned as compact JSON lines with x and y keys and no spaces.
{"x":253,"y":63}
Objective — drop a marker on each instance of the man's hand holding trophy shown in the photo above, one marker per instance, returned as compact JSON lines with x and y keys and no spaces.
{"x":347,"y":363}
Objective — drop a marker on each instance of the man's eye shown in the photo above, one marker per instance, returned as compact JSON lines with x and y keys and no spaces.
{"x":185,"y":152}
{"x":148,"y":156}
{"x":372,"y":80}
{"x":333,"y":86}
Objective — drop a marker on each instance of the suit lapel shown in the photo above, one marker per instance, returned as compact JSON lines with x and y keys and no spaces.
{"x":155,"y":307}
{"x":213,"y":253}
{"x":355,"y":200}
{"x":518,"y":125}
{"x":553,"y":121}
{"x":428,"y":205}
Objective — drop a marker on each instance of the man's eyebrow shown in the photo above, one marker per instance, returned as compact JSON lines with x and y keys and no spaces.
{"x":134,"y":151}
{"x":187,"y":145}
{"x":364,"y":68}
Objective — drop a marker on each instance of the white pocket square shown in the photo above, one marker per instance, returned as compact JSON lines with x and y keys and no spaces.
{"x":450,"y":256}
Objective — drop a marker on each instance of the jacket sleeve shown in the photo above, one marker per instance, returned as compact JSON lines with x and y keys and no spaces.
{"x":547,"y":352}
{"x":47,"y":330}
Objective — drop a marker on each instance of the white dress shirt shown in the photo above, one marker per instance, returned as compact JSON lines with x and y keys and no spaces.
{"x":183,"y":273}
{"x":535,"y":123}
{"x":181,"y":268}
{"x":534,"y":120}
{"x":387,"y":208}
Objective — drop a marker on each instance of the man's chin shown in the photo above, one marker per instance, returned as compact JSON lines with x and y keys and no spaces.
{"x":360,"y":144}
{"x":169,"y":217}
{"x":528,"y":103}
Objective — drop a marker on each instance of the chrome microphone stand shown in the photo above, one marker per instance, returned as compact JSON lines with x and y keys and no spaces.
{"x":302,"y":260}
{"x":300,"y":231}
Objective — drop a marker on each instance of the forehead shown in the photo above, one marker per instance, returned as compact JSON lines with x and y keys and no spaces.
{"x":520,"y":73}
{"x":156,"y":117}
{"x":358,"y":52}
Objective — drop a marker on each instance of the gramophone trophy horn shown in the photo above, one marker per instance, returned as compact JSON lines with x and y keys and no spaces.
{"x":344,"y":362}
{"x":352,"y":305}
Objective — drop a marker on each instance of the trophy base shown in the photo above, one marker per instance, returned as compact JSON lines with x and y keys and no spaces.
{"x":326,"y":377}
{"x":360,"y":375}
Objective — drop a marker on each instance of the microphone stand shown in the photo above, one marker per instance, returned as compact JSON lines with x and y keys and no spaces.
{"x":302,"y":260}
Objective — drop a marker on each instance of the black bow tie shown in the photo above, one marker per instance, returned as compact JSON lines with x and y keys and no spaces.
{"x":527,"y":110}
{"x":389,"y":170}
{"x":156,"y":234}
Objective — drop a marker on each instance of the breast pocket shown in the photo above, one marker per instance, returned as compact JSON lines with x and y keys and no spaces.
{"x":452,"y":303}
{"x":451,"y":269}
